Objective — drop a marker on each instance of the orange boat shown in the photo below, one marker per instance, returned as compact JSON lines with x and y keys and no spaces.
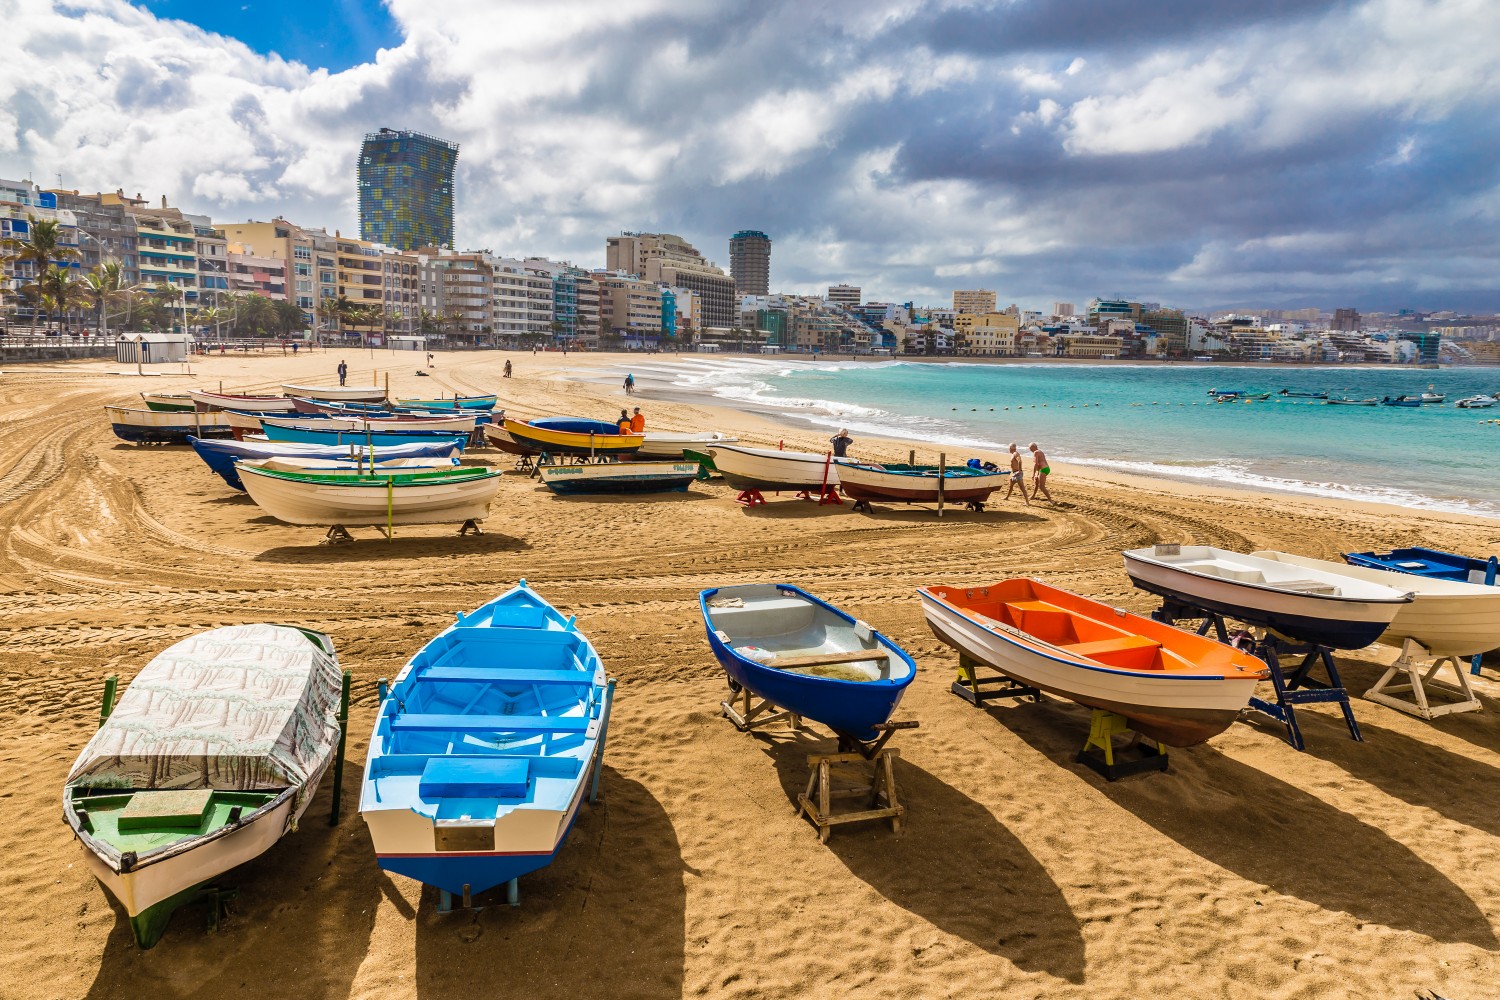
{"x":1176,"y":687}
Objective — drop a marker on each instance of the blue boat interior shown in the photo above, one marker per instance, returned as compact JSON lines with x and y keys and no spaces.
{"x":1431,"y":563}
{"x":576,"y":425}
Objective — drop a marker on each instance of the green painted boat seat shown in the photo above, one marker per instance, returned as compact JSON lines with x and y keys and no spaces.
{"x":421,"y":723}
{"x":172,"y":808}
{"x":506,"y":675}
{"x":468,"y":778}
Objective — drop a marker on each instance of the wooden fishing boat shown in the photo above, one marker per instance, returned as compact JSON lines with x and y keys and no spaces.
{"x":807,"y":656}
{"x":222,"y":456}
{"x":163,"y":427}
{"x":1306,"y":604}
{"x":1372,"y":401}
{"x":1433,"y":563}
{"x":441,"y":497}
{"x":434,"y":423}
{"x":168,"y":402}
{"x":768,"y":469}
{"x":243,"y":422}
{"x":499,"y":437}
{"x":666,"y":444}
{"x":361,"y":436}
{"x":1446,"y":617}
{"x":918,"y":483}
{"x":575,"y":437}
{"x":340,"y":393}
{"x":451,"y":403}
{"x":619,"y":477}
{"x":338,"y":408}
{"x":346,"y":466}
{"x":1176,"y":687}
{"x":206,"y":400}
{"x":212,"y":754}
{"x":485,"y":746}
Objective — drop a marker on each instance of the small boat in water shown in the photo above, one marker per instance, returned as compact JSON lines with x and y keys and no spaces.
{"x":573,"y":436}
{"x":769,"y":469}
{"x":1446,"y":617}
{"x":223,"y":456}
{"x":165,"y":427}
{"x":206,"y":400}
{"x":918,"y":483}
{"x":1174,"y":686}
{"x":1432,"y":397}
{"x":337,"y":393}
{"x":1372,"y":401}
{"x":1226,"y":392}
{"x":485,"y":746}
{"x":210,"y":757}
{"x":1479,"y":402}
{"x":1401,"y":401}
{"x":619,"y":477}
{"x":1433,"y":563}
{"x":805,"y":655}
{"x":667,"y":444}
{"x":168,"y":402}
{"x":1306,"y":604}
{"x":1302,"y":395}
{"x":443,"y":496}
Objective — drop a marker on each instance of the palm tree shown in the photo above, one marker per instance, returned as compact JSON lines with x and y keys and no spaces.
{"x":57,"y":288}
{"x":39,"y":249}
{"x":103,"y":286}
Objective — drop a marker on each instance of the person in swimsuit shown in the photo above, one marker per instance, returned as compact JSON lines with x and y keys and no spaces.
{"x":1017,"y":475}
{"x":1040,"y":470}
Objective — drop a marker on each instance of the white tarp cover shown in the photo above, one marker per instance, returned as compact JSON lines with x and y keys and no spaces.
{"x":249,"y":707}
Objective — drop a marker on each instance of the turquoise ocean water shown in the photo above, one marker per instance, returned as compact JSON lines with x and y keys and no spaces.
{"x":1155,"y":420}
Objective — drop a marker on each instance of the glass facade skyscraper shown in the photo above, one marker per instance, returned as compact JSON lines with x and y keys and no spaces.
{"x":406,"y":189}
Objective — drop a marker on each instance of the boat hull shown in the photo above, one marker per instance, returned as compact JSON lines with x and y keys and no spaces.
{"x":433,"y":424}
{"x":778,"y":471}
{"x":164,"y":402}
{"x":164,"y":427}
{"x":456,"y":403}
{"x":221,"y":456}
{"x":231,"y":401}
{"x":361,"y":437}
{"x":675,"y":446}
{"x":866,"y":483}
{"x":352,"y":503}
{"x":847,"y":707}
{"x":1332,"y":621}
{"x":619,"y":477}
{"x":1177,"y":711}
{"x":499,"y":437}
{"x":560,"y":442}
{"x":338,"y":393}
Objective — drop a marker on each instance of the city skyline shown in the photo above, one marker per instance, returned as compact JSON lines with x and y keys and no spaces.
{"x":1312,"y":154}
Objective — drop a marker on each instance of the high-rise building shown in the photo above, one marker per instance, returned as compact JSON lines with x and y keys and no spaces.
{"x":662,"y":258}
{"x":406,"y":189}
{"x":976,"y":302}
{"x":1062,"y":310}
{"x":750,"y":262}
{"x":1345,"y":319}
{"x":845,"y":295}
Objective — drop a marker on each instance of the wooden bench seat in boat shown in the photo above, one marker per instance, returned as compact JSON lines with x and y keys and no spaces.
{"x":1124,"y":642}
{"x":505,"y":675}
{"x":472,"y":778}
{"x":423,"y":723}
{"x":822,"y":659}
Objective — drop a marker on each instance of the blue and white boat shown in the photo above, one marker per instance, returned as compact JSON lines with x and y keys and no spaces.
{"x":221,"y":456}
{"x":619,"y":477}
{"x":451,"y":403}
{"x":485,"y":747}
{"x":367,"y":438}
{"x":805,"y":655}
{"x":1431,"y":563}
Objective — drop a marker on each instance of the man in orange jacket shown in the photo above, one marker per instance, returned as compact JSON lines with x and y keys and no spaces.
{"x":638,"y":422}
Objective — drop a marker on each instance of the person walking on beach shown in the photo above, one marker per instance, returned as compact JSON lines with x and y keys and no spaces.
{"x":630,"y":385}
{"x":507,"y":369}
{"x":429,"y":360}
{"x":343,"y":372}
{"x":638,"y":422}
{"x":1017,"y":474}
{"x":1040,"y":470}
{"x":841,"y":442}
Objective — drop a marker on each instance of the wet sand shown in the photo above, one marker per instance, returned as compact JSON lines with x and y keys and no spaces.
{"x":1247,"y":870}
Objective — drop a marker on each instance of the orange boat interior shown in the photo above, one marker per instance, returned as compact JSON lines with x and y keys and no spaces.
{"x":1094,"y":631}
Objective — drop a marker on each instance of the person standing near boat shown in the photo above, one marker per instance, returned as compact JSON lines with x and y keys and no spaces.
{"x":343,"y":372}
{"x":1017,"y":474}
{"x":841,"y":442}
{"x":623,"y":424}
{"x":638,"y":422}
{"x":1040,"y":470}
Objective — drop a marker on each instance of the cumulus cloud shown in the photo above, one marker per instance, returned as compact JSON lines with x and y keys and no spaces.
{"x":1201,"y":152}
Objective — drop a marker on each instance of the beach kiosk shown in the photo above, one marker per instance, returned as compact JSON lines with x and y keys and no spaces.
{"x":153,"y":348}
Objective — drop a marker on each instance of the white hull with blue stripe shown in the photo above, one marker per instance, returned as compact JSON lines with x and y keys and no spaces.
{"x":485,"y":747}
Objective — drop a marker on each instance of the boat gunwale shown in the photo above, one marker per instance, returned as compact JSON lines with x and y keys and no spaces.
{"x":1403,"y":598}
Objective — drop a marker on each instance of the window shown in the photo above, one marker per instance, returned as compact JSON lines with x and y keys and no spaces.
{"x":302,"y":253}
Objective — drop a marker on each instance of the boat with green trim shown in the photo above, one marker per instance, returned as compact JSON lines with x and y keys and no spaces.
{"x":169,"y":402}
{"x":212,"y":754}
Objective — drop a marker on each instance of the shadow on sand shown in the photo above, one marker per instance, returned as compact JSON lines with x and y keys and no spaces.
{"x":951,"y":512}
{"x":954,"y":865}
{"x":1270,"y":832}
{"x":607,"y":918}
{"x":376,"y":546}
{"x":300,"y":926}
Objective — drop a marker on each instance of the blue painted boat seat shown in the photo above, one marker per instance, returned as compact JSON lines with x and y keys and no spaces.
{"x":539,"y":636}
{"x":468,"y":778}
{"x":527,"y":617}
{"x":499,"y":675}
{"x":422,"y":723}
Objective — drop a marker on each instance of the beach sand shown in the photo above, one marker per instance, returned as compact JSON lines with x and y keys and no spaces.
{"x":1247,"y":870}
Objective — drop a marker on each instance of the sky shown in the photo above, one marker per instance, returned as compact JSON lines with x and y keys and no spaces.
{"x":1198,"y":153}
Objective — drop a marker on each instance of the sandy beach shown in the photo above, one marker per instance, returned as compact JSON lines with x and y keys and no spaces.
{"x":1247,"y":870}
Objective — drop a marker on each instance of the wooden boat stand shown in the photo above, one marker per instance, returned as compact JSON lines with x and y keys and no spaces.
{"x":1421,"y":684}
{"x":753,"y":714}
{"x":525,"y":464}
{"x":977,"y":690}
{"x":466,"y":901}
{"x":1296,"y":688}
{"x":1099,"y":749}
{"x":878,"y":790}
{"x":337,"y":535}
{"x":750,"y":498}
{"x":468,"y":526}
